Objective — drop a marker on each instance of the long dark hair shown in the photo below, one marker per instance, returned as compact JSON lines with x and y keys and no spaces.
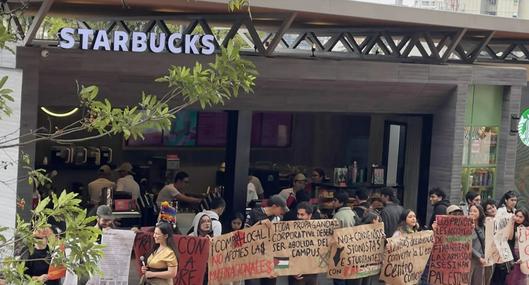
{"x":481,"y":219}
{"x":508,"y":195}
{"x":402,"y":220}
{"x":166,"y":229}
{"x":525,"y":213}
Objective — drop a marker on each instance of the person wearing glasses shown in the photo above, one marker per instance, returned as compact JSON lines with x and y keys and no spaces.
{"x":173,"y":191}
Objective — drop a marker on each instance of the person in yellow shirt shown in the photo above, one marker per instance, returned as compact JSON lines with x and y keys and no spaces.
{"x":162,"y":264}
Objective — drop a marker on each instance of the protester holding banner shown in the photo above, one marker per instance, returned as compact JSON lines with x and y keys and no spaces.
{"x":476,"y":213}
{"x":344,"y":214}
{"x":391,"y":212}
{"x":439,"y":202}
{"x":39,"y":261}
{"x":277,"y":207}
{"x":236,"y":223}
{"x":471,"y":198}
{"x":516,"y":276}
{"x":304,"y":212}
{"x":506,"y":205}
{"x":407,"y":224}
{"x":489,"y":206}
{"x":161,"y":265}
{"x":371,"y":217}
{"x":202,"y":226}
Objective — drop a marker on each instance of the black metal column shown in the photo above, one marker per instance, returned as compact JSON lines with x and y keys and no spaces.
{"x":237,"y":161}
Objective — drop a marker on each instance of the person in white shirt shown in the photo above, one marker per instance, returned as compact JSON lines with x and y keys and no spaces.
{"x":126,"y":182}
{"x":172,"y":192}
{"x":217,"y":208}
{"x":251,"y":193}
{"x":95,"y":188}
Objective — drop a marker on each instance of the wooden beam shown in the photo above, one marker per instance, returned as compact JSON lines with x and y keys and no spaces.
{"x":475,"y":53}
{"x":37,"y":21}
{"x":280,"y":32}
{"x":453,"y":44}
{"x":255,"y":37}
{"x":232,"y":32}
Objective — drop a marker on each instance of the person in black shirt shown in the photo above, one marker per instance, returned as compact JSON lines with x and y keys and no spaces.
{"x":277,"y":207}
{"x":39,"y":261}
{"x":361,"y":205}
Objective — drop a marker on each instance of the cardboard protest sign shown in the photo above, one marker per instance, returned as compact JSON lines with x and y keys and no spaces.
{"x":358,"y":252}
{"x":522,"y":236}
{"x":241,"y":255}
{"x":497,"y":232}
{"x":192,"y":253}
{"x":451,"y":253}
{"x":405,"y":258}
{"x":301,"y":247}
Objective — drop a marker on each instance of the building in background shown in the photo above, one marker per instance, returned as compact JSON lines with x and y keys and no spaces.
{"x":502,"y":8}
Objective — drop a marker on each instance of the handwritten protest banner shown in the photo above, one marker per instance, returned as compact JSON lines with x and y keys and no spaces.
{"x":241,"y":255}
{"x":405,"y":258}
{"x":451,"y":253}
{"x":358,"y":252}
{"x":301,"y":247}
{"x":522,"y":235}
{"x":192,"y":253}
{"x":497,"y":232}
{"x":115,"y":263}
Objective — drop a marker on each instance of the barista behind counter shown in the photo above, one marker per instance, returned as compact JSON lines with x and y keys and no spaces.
{"x":172,"y":192}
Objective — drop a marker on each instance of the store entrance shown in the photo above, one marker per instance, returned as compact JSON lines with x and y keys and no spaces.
{"x":395,"y":155}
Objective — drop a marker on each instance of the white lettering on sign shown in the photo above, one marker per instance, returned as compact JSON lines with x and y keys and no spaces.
{"x":137,"y":41}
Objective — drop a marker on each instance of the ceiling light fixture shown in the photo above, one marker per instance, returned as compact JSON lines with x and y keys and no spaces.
{"x":59,"y":115}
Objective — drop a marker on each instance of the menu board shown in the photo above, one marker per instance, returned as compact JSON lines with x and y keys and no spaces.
{"x":212,"y":128}
{"x":203,"y":129}
{"x":183,"y":130}
{"x":271,"y":129}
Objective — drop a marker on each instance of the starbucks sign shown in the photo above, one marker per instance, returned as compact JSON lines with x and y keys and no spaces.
{"x":523,"y":127}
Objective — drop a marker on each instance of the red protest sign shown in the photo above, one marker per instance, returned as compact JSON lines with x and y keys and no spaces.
{"x":451,"y":254}
{"x":192,"y":254}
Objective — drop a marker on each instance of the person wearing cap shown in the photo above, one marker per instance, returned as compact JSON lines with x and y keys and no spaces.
{"x":104,"y":219}
{"x":126,"y":182}
{"x":454,"y":210}
{"x":275,"y":209}
{"x":95,"y":188}
{"x":298,"y":184}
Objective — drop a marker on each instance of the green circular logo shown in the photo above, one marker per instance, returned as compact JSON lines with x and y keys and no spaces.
{"x":523,"y":127}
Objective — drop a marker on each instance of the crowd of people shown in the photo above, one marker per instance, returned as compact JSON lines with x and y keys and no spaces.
{"x":351,"y":209}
